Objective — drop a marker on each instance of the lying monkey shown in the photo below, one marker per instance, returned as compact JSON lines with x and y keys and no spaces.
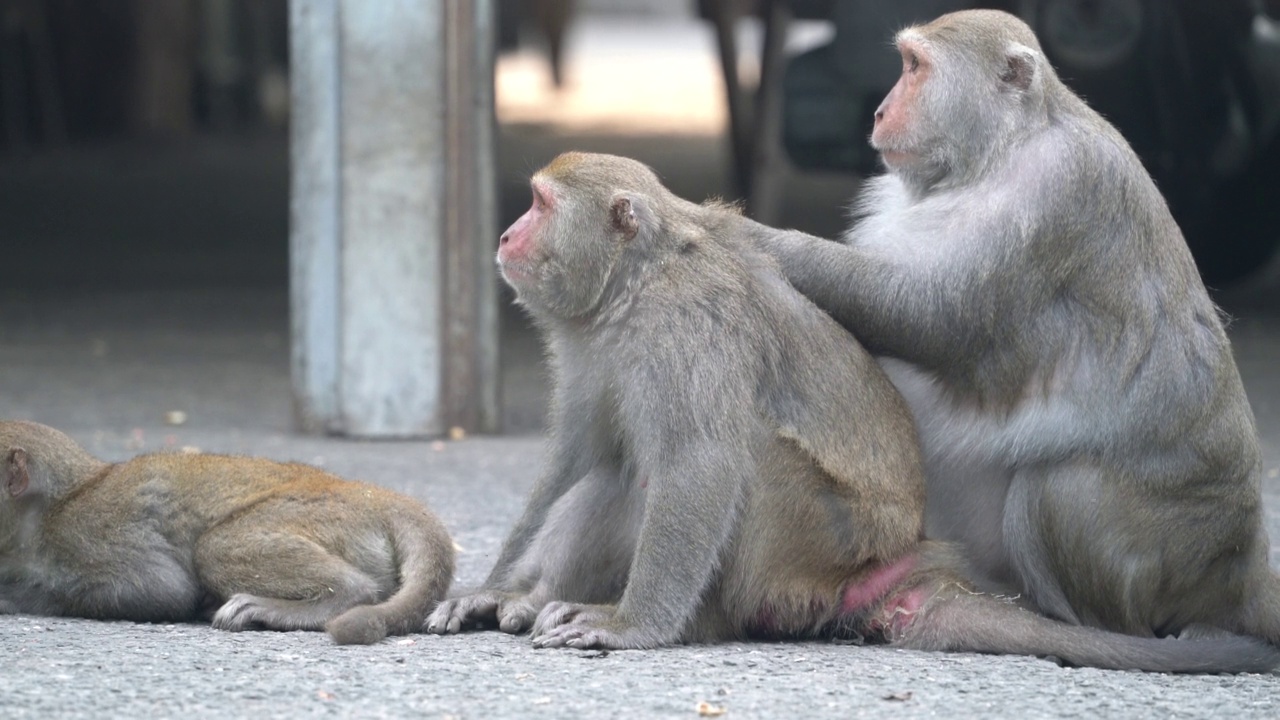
{"x":726,"y":462}
{"x":174,"y":537}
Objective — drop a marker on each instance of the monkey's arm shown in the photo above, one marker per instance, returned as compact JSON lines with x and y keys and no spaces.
{"x":573,"y":447}
{"x":690,"y":513}
{"x":504,"y":598}
{"x":908,"y":307}
{"x":564,"y":468}
{"x":689,"y":425}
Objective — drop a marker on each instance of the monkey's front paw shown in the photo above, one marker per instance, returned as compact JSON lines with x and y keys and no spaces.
{"x":511,"y":612}
{"x":562,"y":624}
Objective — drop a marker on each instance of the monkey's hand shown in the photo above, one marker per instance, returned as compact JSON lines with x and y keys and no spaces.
{"x":575,"y":625}
{"x":511,"y":612}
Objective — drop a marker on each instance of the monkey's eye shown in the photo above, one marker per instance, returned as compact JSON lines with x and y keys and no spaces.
{"x":913,"y":62}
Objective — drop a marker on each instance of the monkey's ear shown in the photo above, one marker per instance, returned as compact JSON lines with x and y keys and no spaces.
{"x":1020,"y":66}
{"x":624,"y":215}
{"x":16,"y":477}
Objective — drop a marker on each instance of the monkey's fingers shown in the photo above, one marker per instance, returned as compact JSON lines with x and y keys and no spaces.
{"x":238,"y":613}
{"x":583,"y":635}
{"x":598,"y":639}
{"x":450,"y":616}
{"x":561,"y":637}
{"x":438,"y":621}
{"x":516,"y":615}
{"x":445,"y":620}
{"x":562,"y":624}
{"x":556,"y":614}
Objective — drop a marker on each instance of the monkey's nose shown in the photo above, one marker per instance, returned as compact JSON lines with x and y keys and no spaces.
{"x":879,"y":115}
{"x":502,"y":240}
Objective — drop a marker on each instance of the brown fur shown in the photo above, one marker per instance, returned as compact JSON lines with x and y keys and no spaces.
{"x":252,"y":542}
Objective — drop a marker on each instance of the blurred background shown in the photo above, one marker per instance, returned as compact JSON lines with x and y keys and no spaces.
{"x":145,"y":166}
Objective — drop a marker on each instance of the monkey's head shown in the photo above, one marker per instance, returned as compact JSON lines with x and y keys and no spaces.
{"x":36,"y":462}
{"x":589,"y":213}
{"x":970,"y":82}
{"x":18,"y":440}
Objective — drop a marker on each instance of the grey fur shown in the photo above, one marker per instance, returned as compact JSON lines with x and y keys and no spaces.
{"x":1086,"y":434}
{"x":726,"y":462}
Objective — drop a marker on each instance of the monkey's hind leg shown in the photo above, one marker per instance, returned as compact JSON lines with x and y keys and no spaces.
{"x":272,"y":579}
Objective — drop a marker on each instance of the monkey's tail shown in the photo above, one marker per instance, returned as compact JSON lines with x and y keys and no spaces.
{"x":426,"y":563}
{"x":972,"y":622}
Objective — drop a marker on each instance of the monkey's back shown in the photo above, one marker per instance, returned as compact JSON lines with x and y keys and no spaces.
{"x":839,"y":483}
{"x":198,"y":490}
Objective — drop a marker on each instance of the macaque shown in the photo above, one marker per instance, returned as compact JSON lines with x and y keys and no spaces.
{"x":726,"y":462}
{"x":1085,"y":433}
{"x":247,"y":542}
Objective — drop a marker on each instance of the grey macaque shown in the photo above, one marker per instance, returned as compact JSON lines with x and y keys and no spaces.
{"x":247,"y":542}
{"x":726,"y":462}
{"x":1086,"y":435}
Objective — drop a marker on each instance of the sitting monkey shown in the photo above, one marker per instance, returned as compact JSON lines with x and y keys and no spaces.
{"x":174,"y":537}
{"x":705,"y":480}
{"x":1087,"y":437}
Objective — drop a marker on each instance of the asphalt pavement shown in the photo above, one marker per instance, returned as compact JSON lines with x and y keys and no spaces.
{"x":56,"y":668}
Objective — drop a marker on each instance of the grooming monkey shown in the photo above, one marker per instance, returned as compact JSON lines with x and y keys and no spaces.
{"x":726,"y":461}
{"x":174,"y":537}
{"x":1086,"y":435}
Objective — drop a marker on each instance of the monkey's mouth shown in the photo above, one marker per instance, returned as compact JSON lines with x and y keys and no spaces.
{"x":894,"y":158}
{"x":515,"y":273}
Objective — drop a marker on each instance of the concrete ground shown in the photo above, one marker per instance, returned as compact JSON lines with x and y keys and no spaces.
{"x":108,"y":360}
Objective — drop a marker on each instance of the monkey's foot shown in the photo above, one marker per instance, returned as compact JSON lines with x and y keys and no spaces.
{"x":564,"y":624}
{"x":244,"y":611}
{"x":511,"y":612}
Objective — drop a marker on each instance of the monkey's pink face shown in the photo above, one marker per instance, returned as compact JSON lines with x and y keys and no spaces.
{"x":896,"y":116}
{"x":519,"y":255}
